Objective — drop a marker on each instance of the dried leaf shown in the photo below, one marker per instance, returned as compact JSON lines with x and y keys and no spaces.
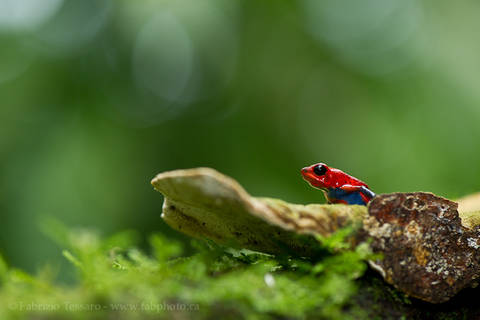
{"x":204,"y":203}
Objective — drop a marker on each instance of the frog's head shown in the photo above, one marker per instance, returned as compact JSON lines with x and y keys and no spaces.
{"x":317,"y":175}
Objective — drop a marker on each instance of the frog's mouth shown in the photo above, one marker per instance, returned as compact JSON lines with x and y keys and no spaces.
{"x":312,"y":179}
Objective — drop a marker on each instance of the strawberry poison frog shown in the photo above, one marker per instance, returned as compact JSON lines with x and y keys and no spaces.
{"x":337,"y":186}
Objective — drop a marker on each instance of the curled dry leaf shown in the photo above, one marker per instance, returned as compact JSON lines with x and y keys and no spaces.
{"x":204,"y":203}
{"x":430,"y":250}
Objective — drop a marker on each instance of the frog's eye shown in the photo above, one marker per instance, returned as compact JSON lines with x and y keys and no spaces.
{"x":320,"y":170}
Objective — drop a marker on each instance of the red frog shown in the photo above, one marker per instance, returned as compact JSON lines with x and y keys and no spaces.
{"x":337,"y":186}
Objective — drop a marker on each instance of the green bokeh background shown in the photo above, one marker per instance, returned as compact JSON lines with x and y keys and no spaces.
{"x":96,"y":97}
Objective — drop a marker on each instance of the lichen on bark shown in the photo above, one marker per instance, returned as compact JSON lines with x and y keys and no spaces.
{"x":427,"y":252}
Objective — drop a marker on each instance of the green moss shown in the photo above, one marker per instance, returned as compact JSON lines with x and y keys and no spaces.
{"x":113,"y":275}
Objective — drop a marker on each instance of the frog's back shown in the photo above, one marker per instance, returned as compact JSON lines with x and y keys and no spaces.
{"x":341,"y":178}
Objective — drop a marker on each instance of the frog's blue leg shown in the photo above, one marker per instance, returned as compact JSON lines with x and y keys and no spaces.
{"x":348,"y":197}
{"x":369,"y":193}
{"x":365,"y":193}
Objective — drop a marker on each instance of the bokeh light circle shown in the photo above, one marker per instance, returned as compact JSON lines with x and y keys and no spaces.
{"x":21,"y":15}
{"x":163,"y":57}
{"x":371,"y":35}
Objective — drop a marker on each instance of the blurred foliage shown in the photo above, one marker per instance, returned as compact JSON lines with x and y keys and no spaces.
{"x":98,"y":96}
{"x":114,"y":277}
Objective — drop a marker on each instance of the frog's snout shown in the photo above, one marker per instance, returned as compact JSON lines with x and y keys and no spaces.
{"x":307,"y":175}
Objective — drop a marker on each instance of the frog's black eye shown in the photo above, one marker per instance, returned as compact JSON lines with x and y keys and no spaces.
{"x":320,"y":170}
